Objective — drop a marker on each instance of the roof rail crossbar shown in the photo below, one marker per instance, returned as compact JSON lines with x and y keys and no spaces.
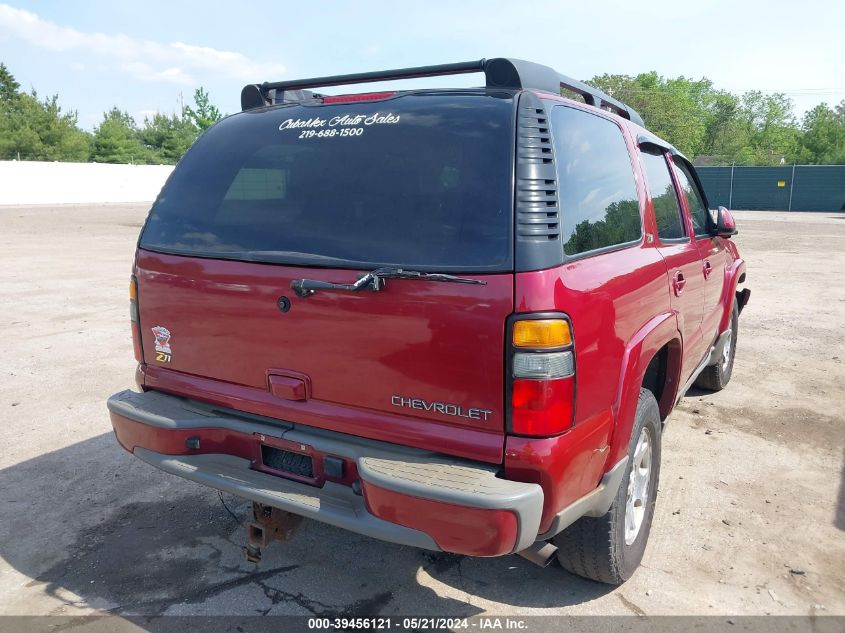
{"x":499,"y":73}
{"x":599,"y":99}
{"x":379,"y":75}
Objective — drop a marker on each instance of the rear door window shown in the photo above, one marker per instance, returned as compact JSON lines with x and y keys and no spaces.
{"x":598,"y":193}
{"x":420,"y":181}
{"x":695,"y":201}
{"x":667,"y":209}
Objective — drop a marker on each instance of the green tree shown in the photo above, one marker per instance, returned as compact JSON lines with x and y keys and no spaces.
{"x":18,"y":136}
{"x":31,"y":129}
{"x":116,"y":140}
{"x":60,"y":134}
{"x":755,"y":129}
{"x":167,"y":137}
{"x":206,"y":114}
{"x":765,"y":132}
{"x":674,"y":109}
{"x":38,"y":130}
{"x":720,"y":118}
{"x":822,"y":139}
{"x":9,"y":87}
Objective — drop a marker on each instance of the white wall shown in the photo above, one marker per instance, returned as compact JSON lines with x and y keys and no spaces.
{"x":26,"y":182}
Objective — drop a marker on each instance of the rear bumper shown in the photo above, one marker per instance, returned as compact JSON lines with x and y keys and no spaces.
{"x":385,"y":491}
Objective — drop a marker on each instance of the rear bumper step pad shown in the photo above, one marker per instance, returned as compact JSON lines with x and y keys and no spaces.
{"x":409,"y":496}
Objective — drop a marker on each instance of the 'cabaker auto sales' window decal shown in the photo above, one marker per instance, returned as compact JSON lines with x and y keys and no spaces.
{"x":346,"y":125}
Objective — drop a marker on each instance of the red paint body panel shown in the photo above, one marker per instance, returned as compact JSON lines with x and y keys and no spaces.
{"x":484,"y":446}
{"x":567,"y":466}
{"x":661,"y":330}
{"x":458,"y":529}
{"x":131,"y":435}
{"x":608,"y":297}
{"x":684,"y":261}
{"x":418,"y":339}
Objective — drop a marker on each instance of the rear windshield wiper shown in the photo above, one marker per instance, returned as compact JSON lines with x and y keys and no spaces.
{"x":374,"y":281}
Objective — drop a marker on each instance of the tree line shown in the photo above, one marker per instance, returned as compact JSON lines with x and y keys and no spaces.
{"x":710,"y":126}
{"x":717,"y":127}
{"x":32,"y":128}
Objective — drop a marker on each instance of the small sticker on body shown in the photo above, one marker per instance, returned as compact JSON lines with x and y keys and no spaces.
{"x":162,"y":344}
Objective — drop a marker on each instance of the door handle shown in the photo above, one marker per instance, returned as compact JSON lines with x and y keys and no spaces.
{"x":707,"y":268}
{"x":678,"y":283}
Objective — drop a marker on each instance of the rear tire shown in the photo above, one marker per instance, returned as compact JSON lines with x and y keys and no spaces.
{"x":609,"y":548}
{"x":716,"y":377}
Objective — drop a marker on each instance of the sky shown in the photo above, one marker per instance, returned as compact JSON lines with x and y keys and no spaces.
{"x":149,"y":56}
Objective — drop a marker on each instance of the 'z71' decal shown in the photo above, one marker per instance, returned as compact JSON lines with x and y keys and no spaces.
{"x":163,"y":349}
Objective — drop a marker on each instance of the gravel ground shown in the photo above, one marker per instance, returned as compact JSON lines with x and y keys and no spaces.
{"x":749,"y":520}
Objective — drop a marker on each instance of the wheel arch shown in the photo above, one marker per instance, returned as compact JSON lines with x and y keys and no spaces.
{"x":661,"y":373}
{"x":734,"y":275}
{"x":652,"y":360}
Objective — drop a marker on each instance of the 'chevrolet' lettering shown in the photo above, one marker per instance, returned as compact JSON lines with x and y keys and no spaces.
{"x":443,"y":408}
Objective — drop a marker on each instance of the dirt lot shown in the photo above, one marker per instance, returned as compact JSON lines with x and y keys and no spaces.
{"x":750,"y":516}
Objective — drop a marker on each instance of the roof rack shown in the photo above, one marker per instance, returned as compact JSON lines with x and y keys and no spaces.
{"x":499,"y":72}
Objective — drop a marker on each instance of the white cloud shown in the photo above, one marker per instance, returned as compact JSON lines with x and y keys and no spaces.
{"x":145,"y":72}
{"x":146,"y":60}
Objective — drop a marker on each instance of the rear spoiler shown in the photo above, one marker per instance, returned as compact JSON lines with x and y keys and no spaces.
{"x":499,"y":73}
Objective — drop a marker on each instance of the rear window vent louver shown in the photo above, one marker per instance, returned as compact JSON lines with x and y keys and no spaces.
{"x":537,"y":206}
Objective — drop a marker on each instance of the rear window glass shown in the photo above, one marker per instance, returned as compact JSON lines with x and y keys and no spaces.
{"x":421,"y":181}
{"x":598,"y":193}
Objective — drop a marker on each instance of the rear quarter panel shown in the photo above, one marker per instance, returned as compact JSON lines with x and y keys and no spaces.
{"x":619,"y":303}
{"x":610,"y":298}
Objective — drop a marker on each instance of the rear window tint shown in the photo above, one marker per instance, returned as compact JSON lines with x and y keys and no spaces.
{"x":598,"y":193}
{"x":421,"y":181}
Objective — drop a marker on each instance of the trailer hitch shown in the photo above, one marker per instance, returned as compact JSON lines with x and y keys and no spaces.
{"x":268,"y":524}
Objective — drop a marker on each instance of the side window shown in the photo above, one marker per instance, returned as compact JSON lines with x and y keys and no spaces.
{"x":697,"y":208}
{"x":667,"y":209}
{"x":598,"y":194}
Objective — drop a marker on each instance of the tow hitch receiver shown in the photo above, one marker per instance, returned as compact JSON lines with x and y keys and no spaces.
{"x":269,"y":524}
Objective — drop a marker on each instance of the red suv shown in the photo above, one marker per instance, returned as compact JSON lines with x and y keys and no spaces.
{"x":452,"y":319}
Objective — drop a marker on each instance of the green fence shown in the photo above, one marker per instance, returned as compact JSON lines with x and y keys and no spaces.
{"x":786,"y":188}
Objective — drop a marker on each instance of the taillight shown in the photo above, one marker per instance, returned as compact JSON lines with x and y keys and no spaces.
{"x":541,"y":333}
{"x":133,"y":317}
{"x":542,"y":375}
{"x":368,"y":96}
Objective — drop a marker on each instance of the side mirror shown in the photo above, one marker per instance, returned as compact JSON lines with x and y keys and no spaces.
{"x":725,"y":223}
